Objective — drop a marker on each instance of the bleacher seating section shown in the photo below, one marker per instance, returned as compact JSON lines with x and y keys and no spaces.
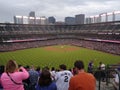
{"x":107,"y":33}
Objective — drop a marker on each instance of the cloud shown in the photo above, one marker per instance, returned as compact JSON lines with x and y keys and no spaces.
{"x":57,"y":8}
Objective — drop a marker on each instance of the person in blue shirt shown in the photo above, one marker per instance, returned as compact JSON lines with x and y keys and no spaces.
{"x":90,"y":67}
{"x":45,"y":81}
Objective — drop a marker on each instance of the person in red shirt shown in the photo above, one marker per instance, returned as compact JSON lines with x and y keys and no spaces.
{"x":83,"y":80}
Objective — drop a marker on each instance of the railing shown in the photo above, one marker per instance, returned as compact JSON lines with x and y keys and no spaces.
{"x":107,"y":72}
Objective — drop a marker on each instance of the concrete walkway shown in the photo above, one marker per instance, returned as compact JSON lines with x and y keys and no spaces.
{"x":103,"y":86}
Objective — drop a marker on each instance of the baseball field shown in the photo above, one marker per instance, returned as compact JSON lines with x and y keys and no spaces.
{"x":55,"y":55}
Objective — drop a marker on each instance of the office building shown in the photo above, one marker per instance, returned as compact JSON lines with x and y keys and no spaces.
{"x":69,"y":20}
{"x":32,"y":14}
{"x":51,"y":20}
{"x":79,"y":19}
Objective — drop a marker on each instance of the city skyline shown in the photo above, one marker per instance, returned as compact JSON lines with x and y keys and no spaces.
{"x":57,"y":8}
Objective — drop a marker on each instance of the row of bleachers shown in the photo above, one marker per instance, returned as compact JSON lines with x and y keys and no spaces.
{"x":34,"y":31}
{"x":55,"y":36}
{"x":22,"y":31}
{"x":11,"y":28}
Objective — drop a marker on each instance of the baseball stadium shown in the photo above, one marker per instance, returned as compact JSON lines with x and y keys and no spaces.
{"x":52,"y":45}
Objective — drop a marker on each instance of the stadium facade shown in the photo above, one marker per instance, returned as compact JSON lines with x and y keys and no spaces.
{"x":98,"y":36}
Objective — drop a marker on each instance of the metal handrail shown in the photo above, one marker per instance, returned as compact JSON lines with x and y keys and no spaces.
{"x":106,"y":71}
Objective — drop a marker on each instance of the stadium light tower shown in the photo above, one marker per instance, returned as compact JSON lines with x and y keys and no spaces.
{"x":111,"y":14}
{"x":92,"y":19}
{"x":96,"y":18}
{"x":18,"y":19}
{"x":116,"y":13}
{"x":105,"y":15}
{"x":25,"y":19}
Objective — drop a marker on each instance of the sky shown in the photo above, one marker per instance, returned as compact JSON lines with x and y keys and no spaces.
{"x":57,"y":8}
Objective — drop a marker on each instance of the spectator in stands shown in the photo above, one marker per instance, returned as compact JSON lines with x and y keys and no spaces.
{"x":102,"y":68}
{"x":34,"y":75}
{"x":83,"y":80}
{"x":90,"y":67}
{"x":116,"y":82}
{"x":53,"y":73}
{"x":38,"y":70}
{"x":27,"y":80}
{"x":45,"y":81}
{"x":1,"y":71}
{"x":1,"y":88}
{"x":62,"y":78}
{"x":74,"y":71}
{"x":12,"y":78}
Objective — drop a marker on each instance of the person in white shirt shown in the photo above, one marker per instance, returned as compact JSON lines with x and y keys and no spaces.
{"x":62,"y":78}
{"x":53,"y":73}
{"x":102,"y":68}
{"x":116,"y":82}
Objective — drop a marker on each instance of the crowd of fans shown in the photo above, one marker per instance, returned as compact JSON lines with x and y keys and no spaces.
{"x":14,"y":77}
{"x":17,"y":77}
{"x":113,"y":48}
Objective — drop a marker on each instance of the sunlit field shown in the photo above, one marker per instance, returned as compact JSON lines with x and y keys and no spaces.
{"x":55,"y":55}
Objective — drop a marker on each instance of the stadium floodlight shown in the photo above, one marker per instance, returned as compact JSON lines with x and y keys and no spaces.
{"x":43,"y":18}
{"x":37,"y":17}
{"x":25,"y":17}
{"x":116,"y":12}
{"x":96,"y":16}
{"x":31,"y":17}
{"x":104,"y":14}
{"x":18,"y":16}
{"x":92,"y":16}
{"x":111,"y":13}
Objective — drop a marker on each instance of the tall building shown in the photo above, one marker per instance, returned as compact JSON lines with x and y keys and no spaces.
{"x":32,"y":14}
{"x":18,"y":19}
{"x":88,"y":20}
{"x":79,"y":19}
{"x":69,"y":20}
{"x":51,"y":20}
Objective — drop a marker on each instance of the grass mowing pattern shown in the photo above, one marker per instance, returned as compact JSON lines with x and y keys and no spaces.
{"x":43,"y":57}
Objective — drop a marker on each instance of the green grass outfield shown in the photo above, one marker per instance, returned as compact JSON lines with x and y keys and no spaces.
{"x":56,"y":55}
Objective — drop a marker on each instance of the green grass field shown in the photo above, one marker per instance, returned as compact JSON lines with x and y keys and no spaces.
{"x":56,"y":55}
